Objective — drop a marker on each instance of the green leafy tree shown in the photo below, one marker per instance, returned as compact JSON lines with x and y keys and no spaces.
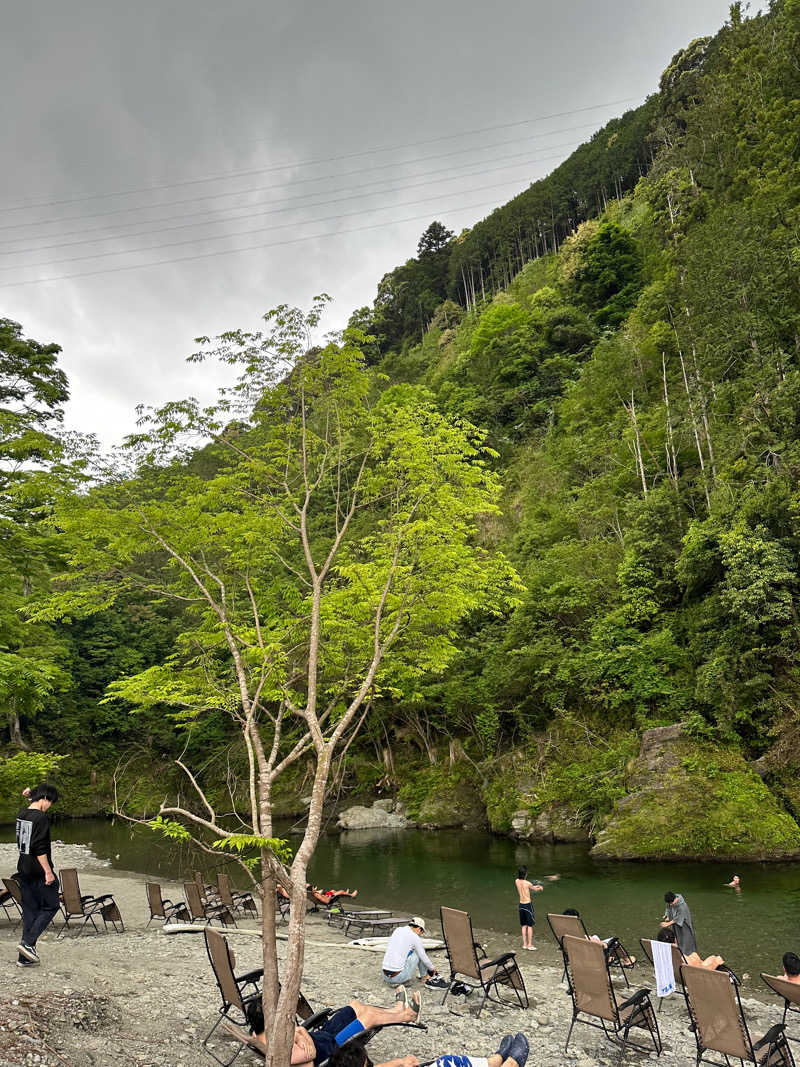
{"x":326,"y":559}
{"x":32,"y":461}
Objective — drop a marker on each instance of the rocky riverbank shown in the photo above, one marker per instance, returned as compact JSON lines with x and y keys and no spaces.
{"x":143,"y":999}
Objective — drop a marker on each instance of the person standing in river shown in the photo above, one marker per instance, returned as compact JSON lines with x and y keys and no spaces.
{"x":527,"y":919}
{"x":679,"y":918}
{"x":37,"y":882}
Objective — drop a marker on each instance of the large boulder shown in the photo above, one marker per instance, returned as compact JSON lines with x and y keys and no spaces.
{"x":361,"y":818}
{"x":693,"y":800}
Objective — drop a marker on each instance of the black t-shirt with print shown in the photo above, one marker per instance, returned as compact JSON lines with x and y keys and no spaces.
{"x":33,"y":839}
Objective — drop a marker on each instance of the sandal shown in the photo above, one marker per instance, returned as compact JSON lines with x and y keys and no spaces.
{"x":416,"y":1005}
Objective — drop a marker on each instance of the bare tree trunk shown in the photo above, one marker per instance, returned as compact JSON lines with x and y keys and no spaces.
{"x":669,"y":444}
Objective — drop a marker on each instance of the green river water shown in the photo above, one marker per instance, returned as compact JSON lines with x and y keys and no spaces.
{"x":417,"y":871}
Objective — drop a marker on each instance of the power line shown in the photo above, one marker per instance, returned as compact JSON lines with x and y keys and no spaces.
{"x":247,"y":233}
{"x":280,"y":210}
{"x":310,"y":162}
{"x":230,"y":251}
{"x":267,"y":188}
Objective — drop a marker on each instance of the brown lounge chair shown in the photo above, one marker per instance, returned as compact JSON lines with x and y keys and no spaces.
{"x":573,"y":926}
{"x":163,"y":908}
{"x":11,"y":901}
{"x":468,"y":962}
{"x":237,"y":991}
{"x":715,"y":1009}
{"x":235,"y":900}
{"x":202,"y":911}
{"x":789,"y":991}
{"x":593,"y":995}
{"x":86,"y":907}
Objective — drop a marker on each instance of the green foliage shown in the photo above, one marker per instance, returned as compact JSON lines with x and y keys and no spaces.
{"x":244,"y":843}
{"x":21,"y":771}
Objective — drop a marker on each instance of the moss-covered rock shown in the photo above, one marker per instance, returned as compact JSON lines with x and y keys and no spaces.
{"x":696,"y":800}
{"x":442,"y":795}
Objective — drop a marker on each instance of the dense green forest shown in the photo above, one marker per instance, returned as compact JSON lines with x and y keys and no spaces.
{"x":626,"y":332}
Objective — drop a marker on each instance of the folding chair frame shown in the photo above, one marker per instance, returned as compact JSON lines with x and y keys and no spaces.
{"x":774,"y":1042}
{"x":485,"y":974}
{"x":617,"y":1027}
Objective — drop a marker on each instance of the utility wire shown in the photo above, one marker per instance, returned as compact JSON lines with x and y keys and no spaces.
{"x":267,"y":188}
{"x":246,"y":248}
{"x":350,"y":195}
{"x":248,"y":233}
{"x":309,"y":162}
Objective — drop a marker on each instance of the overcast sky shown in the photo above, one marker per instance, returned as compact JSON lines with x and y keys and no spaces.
{"x":352,"y":119}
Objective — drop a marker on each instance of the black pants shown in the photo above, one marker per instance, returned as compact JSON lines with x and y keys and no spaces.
{"x":39,"y":905}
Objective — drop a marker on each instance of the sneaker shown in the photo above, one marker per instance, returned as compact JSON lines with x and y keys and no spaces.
{"x":28,"y":951}
{"x":518,"y":1049}
{"x":22,"y":962}
{"x":460,"y":989}
{"x":436,"y":982}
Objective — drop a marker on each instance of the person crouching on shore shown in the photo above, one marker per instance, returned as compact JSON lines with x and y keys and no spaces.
{"x":406,"y":957}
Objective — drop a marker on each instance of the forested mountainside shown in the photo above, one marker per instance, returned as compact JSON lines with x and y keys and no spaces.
{"x":627,"y":332}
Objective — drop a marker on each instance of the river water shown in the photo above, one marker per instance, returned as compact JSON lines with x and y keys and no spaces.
{"x":418,"y":870}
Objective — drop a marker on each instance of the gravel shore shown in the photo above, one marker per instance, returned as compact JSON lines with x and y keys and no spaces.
{"x":143,"y":999}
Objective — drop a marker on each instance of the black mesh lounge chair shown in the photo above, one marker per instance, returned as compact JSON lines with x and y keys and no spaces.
{"x":235,"y":900}
{"x":594,"y":999}
{"x":86,"y":907}
{"x":202,"y":911}
{"x":162,"y":907}
{"x":572,"y":925}
{"x":715,"y":1009}
{"x":363,"y":921}
{"x":338,"y":916}
{"x":468,"y":962}
{"x":11,"y":900}
{"x":788,"y":991}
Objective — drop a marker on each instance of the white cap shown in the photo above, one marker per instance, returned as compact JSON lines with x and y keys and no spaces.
{"x":416,"y":921}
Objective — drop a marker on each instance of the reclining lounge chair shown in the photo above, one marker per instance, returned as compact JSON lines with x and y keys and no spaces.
{"x":200,"y":910}
{"x":573,"y":926}
{"x":11,"y":900}
{"x":468,"y":962}
{"x":86,"y":907}
{"x":235,"y":900}
{"x":788,"y":991}
{"x":162,"y":907}
{"x":715,"y":1009}
{"x":594,"y":997}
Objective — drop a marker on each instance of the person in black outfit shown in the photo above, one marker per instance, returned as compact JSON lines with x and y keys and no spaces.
{"x":38,"y":884}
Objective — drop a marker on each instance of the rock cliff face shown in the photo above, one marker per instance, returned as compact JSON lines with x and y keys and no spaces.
{"x":692,"y":800}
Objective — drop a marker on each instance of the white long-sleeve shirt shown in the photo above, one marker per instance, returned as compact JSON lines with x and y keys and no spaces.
{"x":402,"y":941}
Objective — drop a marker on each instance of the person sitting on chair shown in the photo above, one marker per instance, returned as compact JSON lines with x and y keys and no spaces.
{"x":513,"y":1052}
{"x":311,"y":1046}
{"x":791,"y":967}
{"x":330,"y":896}
{"x":615,"y":949}
{"x":711,"y":963}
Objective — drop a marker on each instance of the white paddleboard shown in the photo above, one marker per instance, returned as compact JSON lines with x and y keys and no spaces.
{"x":378,"y":944}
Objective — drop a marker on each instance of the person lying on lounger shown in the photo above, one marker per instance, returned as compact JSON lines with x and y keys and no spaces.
{"x":615,"y":950}
{"x":513,"y":1052}
{"x":711,"y":963}
{"x":330,"y":896}
{"x":312,"y":1046}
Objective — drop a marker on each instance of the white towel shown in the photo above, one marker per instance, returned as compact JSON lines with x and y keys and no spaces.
{"x":662,"y":962}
